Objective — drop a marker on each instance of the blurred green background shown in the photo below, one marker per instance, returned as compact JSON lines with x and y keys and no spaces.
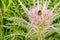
{"x":12,"y":28}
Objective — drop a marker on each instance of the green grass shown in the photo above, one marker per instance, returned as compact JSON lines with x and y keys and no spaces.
{"x":12,"y":27}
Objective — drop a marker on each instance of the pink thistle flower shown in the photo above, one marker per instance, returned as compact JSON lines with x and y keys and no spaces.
{"x":35,"y":17}
{"x":35,"y":20}
{"x":34,"y":14}
{"x":48,"y":13}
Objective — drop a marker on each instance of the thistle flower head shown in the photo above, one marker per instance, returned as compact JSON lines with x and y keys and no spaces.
{"x":48,"y":13}
{"x":36,"y":17}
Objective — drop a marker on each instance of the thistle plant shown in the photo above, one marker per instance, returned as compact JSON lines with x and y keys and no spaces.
{"x":30,"y":23}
